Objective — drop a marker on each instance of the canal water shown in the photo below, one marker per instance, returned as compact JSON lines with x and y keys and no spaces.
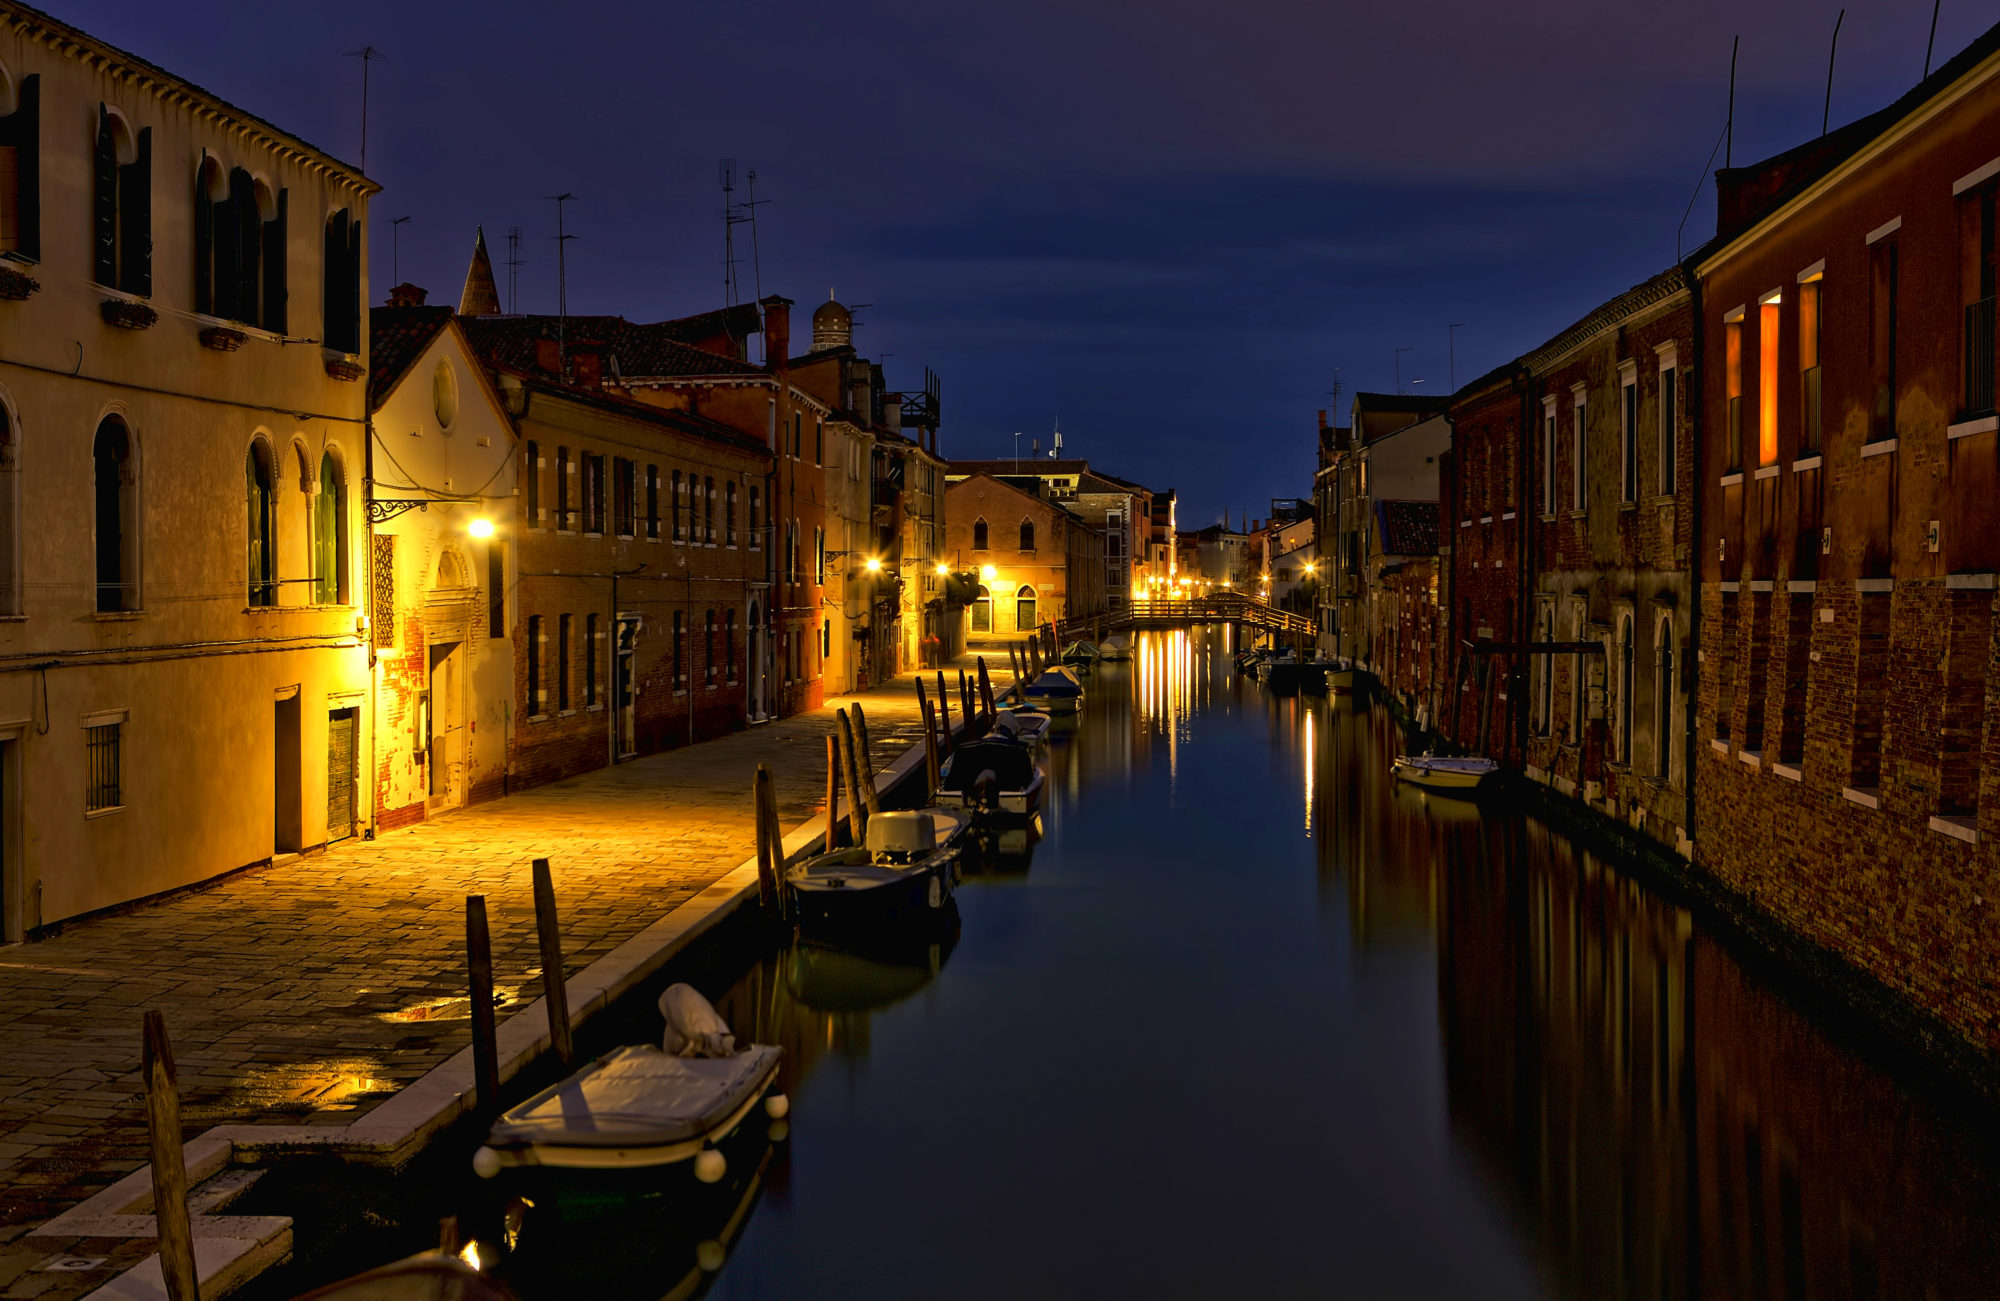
{"x":1250,"y":1020}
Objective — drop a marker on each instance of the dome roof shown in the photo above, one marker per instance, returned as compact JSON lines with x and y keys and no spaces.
{"x":832,"y":325}
{"x":831,"y":313}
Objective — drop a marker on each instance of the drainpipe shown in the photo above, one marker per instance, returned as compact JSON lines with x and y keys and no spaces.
{"x":374,"y":675}
{"x":1692,"y":403}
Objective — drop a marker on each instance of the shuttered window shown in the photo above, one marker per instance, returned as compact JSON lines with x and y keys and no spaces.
{"x":20,"y":173}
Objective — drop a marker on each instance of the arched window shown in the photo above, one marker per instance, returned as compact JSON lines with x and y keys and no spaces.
{"x":122,"y":204}
{"x":261,"y":549}
{"x":1627,"y":688}
{"x":330,"y":549}
{"x":1024,"y":608}
{"x":117,"y":517}
{"x":979,"y":535}
{"x":239,"y":247}
{"x":340,"y":302}
{"x":1027,"y":535}
{"x":1663,"y":699}
{"x":982,"y":611}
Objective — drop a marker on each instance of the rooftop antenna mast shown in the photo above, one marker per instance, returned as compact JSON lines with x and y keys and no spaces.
{"x":396,"y":249}
{"x":750,"y":206}
{"x":1729,"y":123}
{"x":562,"y":284}
{"x":1827,"y":112}
{"x":367,"y":54}
{"x":1931,"y":44}
{"x":1055,"y":444}
{"x":514,"y":260}
{"x":725,"y":170}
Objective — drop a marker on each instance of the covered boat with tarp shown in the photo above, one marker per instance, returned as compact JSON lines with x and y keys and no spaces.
{"x":1115,"y":647}
{"x":642,"y":1106}
{"x":1058,"y":691}
{"x":1017,"y":778}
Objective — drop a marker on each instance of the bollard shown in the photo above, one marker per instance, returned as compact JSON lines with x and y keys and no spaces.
{"x":832,"y":794}
{"x":163,"y":1132}
{"x":767,"y":872}
{"x":479,"y":973}
{"x":554,"y":992}
{"x":930,"y":748}
{"x":857,"y":814}
{"x":865,"y":757}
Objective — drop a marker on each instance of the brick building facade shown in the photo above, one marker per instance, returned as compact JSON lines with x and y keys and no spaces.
{"x":1036,"y":562}
{"x":1849,"y":764}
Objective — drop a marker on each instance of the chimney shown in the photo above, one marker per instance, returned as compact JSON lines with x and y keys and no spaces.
{"x":407,"y":295}
{"x":1322,"y":421}
{"x":777,"y":332}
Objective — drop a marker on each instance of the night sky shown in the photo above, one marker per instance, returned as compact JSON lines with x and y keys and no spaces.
{"x":1171,"y":225}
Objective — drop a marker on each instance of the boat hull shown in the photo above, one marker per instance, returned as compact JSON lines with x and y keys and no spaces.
{"x":917,"y":897}
{"x":1015,"y":804}
{"x":1444,"y":781}
{"x":1342,"y":682}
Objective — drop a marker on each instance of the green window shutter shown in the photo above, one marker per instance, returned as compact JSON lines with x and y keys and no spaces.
{"x":249,"y":243}
{"x":135,"y":201}
{"x":254,"y":514}
{"x":204,"y":243}
{"x":275,"y":261}
{"x":326,"y":520}
{"x":104,"y":194}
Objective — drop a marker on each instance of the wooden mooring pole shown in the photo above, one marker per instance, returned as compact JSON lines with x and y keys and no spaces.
{"x":857,"y":813}
{"x":767,"y":868}
{"x":986,"y":689}
{"x":930,"y":748}
{"x":773,"y":835}
{"x":479,"y":974}
{"x":866,"y":757}
{"x":832,"y":793}
{"x":944,"y":713}
{"x":554,"y":992}
{"x":170,"y":1187}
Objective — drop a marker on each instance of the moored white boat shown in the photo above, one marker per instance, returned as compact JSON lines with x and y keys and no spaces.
{"x":644,"y":1106}
{"x":903,"y":875}
{"x":1058,"y":691}
{"x":1017,"y":777}
{"x":1115,"y":647}
{"x":1450,"y":776}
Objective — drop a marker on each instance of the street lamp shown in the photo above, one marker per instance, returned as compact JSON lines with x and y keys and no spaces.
{"x":874,"y":565}
{"x":943,"y":569}
{"x":988,"y":573}
{"x":480,"y":528}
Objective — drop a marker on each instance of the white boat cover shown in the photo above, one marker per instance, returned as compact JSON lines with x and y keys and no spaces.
{"x":638,"y":1096}
{"x":694,"y":1027}
{"x":1438,"y":763}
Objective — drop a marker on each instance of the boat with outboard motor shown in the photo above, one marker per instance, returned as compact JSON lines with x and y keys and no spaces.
{"x":903,"y":875}
{"x":1017,"y":778}
{"x":644,"y":1106}
{"x":1444,"y":774}
{"x":1058,"y":691}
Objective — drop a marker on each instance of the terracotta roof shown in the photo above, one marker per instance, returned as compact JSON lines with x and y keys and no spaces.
{"x":638,"y":351}
{"x":682,"y":422}
{"x":1408,"y":528}
{"x":738,"y":322}
{"x":397,"y":336}
{"x":1038,"y":466}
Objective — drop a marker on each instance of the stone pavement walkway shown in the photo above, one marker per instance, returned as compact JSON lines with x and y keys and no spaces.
{"x":291,"y":992}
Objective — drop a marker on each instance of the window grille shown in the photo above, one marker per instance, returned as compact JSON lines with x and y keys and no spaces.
{"x":102,"y":788}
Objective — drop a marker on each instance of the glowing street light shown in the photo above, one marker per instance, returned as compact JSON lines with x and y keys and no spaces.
{"x":874,"y":565}
{"x":480,"y":528}
{"x":943,"y":569}
{"x":988,"y":573}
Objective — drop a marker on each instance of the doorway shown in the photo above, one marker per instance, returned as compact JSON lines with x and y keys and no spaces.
{"x":287,"y":802}
{"x":340,"y":729}
{"x":13,"y":898}
{"x":447,"y":727}
{"x":626,"y":686}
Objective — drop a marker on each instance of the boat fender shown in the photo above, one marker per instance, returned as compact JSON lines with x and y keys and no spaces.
{"x":779,"y":1131}
{"x":709,"y":1165}
{"x":708,"y":1254}
{"x":776,"y":1105}
{"x":486,"y":1163}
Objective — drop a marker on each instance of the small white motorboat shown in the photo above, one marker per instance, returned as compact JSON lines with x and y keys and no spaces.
{"x":644,"y":1106}
{"x":1028,"y":726}
{"x":1449,"y":776}
{"x":1058,"y":691}
{"x":904,"y":874}
{"x":1115,"y":647}
{"x":1017,"y":777}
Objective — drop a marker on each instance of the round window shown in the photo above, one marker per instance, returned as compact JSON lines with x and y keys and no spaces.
{"x":444,"y":396}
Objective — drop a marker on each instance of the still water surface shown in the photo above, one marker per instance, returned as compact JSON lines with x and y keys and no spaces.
{"x":1251,"y":1021}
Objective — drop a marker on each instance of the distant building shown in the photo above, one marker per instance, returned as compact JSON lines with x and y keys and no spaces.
{"x":1406,"y":470}
{"x":183,"y":554}
{"x":1035,"y":560}
{"x":1136,"y":557}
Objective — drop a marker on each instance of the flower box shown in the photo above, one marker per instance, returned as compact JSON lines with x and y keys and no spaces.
{"x":16,"y":285}
{"x":222,"y":338}
{"x":128,"y":316}
{"x":345,"y":368}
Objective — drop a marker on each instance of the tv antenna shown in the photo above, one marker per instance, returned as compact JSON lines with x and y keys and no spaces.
{"x":514,"y":260}
{"x":396,"y":249}
{"x":367,"y":54}
{"x":563,"y":238}
{"x":1451,"y":353}
{"x":732,"y":217}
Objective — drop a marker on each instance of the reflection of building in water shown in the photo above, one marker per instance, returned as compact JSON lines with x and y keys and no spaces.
{"x":1764,"y":1163}
{"x":1376,"y":839}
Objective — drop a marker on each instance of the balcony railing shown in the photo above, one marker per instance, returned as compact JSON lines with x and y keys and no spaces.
{"x":1979,"y":357}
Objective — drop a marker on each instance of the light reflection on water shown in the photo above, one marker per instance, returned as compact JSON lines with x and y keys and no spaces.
{"x":1192,"y":1047}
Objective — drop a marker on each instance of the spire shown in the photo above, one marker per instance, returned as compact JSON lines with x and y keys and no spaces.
{"x":482,"y":296}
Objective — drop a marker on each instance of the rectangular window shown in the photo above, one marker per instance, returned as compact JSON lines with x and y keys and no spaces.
{"x":1870,"y":692}
{"x":1725,"y":672}
{"x":679,"y":506}
{"x":652,"y":503}
{"x":1809,"y":394}
{"x":729,"y":643}
{"x":1976,"y":217}
{"x":1548,"y":456}
{"x":591,"y":634}
{"x":708,"y":510}
{"x":1669,"y":427}
{"x":621,"y":497}
{"x":680,"y":652}
{"x":798,"y":425}
{"x":1732,"y":390}
{"x":756,"y":528}
{"x":819,"y":556}
{"x":708,"y":648}
{"x":537,"y":696}
{"x":496,"y":588}
{"x":593,"y":494}
{"x":532,"y":473}
{"x":562,"y":488}
{"x":1580,"y":456}
{"x":1769,"y":309}
{"x":1884,"y":269}
{"x":20,"y":172}
{"x":729,"y":513}
{"x":562,"y":663}
{"x":1628,"y":420}
{"x":819,"y":442}
{"x":102,"y":785}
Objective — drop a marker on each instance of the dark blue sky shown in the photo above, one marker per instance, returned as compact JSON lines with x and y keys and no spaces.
{"x":1168,"y":223}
